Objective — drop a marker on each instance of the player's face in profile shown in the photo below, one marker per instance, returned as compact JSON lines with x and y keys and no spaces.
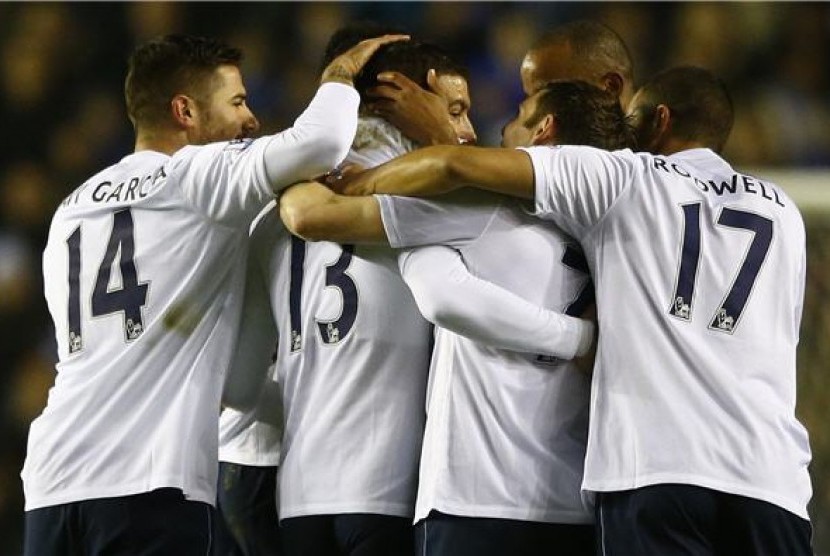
{"x":224,"y":114}
{"x":516,"y":133}
{"x":454,"y":89}
{"x":550,"y":64}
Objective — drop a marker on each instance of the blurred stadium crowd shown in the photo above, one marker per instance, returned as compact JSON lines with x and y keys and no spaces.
{"x":62,"y":118}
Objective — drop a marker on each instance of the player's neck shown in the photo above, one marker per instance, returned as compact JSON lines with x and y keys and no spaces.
{"x":674,"y":145}
{"x":163,"y":142}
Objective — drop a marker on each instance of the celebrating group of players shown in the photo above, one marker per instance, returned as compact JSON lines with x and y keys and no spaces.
{"x":389,"y":360}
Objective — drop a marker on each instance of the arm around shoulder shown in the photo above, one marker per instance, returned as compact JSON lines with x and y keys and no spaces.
{"x":315,"y":213}
{"x":440,"y":169}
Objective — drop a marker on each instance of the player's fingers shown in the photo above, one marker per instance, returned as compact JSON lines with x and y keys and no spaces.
{"x":365,"y":49}
{"x":399,"y":80}
{"x":352,"y":181}
{"x":383,"y":92}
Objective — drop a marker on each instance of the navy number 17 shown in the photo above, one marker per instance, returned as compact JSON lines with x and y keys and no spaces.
{"x":728,"y":314}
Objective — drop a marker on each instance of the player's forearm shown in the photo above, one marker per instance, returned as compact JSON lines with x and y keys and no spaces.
{"x":449,"y":296}
{"x":505,"y":321}
{"x":421,"y":173}
{"x":441,"y":169}
{"x":315,"y":213}
{"x":319,"y":139}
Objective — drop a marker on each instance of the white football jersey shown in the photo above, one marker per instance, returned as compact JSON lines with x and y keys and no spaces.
{"x":144,"y":273}
{"x":700,"y":282}
{"x":352,"y":365}
{"x":506,"y":432}
{"x":244,"y":440}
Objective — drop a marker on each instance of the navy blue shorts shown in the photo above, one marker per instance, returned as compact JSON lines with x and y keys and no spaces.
{"x":689,"y":520}
{"x":247,"y":523}
{"x":347,"y":534}
{"x":449,"y":535}
{"x":157,"y":523}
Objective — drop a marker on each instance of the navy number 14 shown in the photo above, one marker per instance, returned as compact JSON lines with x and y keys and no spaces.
{"x":128,"y":299}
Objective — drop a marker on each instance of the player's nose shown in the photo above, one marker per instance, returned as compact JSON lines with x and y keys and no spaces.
{"x":466,"y":134}
{"x":251,"y":124}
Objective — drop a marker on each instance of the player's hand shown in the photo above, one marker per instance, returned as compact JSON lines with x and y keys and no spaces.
{"x":420,"y":114}
{"x":345,"y":67}
{"x":339,"y":179}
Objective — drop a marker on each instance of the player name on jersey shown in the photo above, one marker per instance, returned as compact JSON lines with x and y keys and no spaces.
{"x":738,"y":183}
{"x":128,"y":190}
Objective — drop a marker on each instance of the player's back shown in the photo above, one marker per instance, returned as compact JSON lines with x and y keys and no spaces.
{"x":506,"y":432}
{"x":143,"y":279}
{"x":707,"y":265}
{"x":351,"y":363}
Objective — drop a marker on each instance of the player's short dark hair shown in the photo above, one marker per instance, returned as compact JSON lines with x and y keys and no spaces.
{"x":411,"y":58}
{"x":164,"y":67}
{"x":584,"y":115}
{"x":346,"y":37}
{"x":593,"y":45}
{"x":699,"y":102}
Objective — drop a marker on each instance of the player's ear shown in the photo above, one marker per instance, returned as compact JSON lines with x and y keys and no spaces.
{"x":432,"y":80}
{"x":613,"y":82}
{"x":183,"y":109}
{"x":545,"y":131}
{"x":662,"y":126}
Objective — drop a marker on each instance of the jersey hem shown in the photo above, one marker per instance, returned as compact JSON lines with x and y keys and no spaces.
{"x":249,"y":463}
{"x":729,"y":488}
{"x":243,"y":459}
{"x":68,"y":497}
{"x":502,"y":512}
{"x":398,"y":510}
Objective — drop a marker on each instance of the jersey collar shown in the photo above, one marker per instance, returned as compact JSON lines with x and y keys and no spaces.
{"x":700,"y":155}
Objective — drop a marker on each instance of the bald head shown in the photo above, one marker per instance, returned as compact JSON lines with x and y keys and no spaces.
{"x":584,"y":50}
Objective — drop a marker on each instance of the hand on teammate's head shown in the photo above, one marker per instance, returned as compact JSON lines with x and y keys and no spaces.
{"x":420,"y":114}
{"x":345,"y":67}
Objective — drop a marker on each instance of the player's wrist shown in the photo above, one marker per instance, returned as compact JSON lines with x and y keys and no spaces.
{"x":336,"y":73}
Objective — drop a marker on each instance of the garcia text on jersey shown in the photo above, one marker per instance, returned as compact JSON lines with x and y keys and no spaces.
{"x":128,"y":190}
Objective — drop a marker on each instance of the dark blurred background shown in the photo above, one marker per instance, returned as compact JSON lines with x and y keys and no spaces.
{"x":62,"y":118}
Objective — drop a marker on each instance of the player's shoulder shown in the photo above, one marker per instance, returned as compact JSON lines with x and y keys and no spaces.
{"x":585,"y":155}
{"x":206,"y":155}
